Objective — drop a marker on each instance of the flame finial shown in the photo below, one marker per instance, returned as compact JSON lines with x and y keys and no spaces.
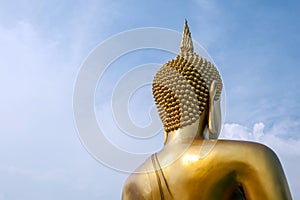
{"x":186,"y":45}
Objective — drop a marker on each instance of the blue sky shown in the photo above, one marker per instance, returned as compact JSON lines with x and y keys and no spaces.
{"x":255,"y":45}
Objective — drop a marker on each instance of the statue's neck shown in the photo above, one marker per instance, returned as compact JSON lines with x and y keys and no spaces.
{"x":187,"y":133}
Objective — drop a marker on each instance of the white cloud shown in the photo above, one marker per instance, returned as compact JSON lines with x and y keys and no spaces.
{"x":235,"y":131}
{"x":258,"y":130}
{"x":277,"y":137}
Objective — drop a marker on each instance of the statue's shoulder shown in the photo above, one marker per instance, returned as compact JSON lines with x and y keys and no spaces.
{"x":135,"y":187}
{"x":138,"y":184}
{"x":231,"y":145}
{"x":247,"y":145}
{"x":232,"y":151}
{"x":245,"y":150}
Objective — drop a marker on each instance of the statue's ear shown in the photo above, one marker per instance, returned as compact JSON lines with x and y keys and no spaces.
{"x":214,"y":113}
{"x":165,"y":137}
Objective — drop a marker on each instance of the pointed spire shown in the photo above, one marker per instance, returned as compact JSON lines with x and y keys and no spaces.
{"x":186,"y":45}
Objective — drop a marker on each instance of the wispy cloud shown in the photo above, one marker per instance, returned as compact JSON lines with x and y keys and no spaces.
{"x":39,"y":149}
{"x":279,"y":136}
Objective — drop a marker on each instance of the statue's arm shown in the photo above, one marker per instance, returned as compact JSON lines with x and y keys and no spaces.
{"x":136,"y":187}
{"x":265,"y":178}
{"x":132,"y":191}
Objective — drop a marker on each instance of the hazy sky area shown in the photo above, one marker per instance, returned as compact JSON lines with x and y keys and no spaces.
{"x":254,"y":44}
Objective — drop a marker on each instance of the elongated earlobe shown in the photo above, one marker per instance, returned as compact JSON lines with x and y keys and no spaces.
{"x":212,"y":126}
{"x":165,"y":137}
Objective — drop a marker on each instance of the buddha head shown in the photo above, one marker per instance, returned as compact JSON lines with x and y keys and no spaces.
{"x":187,"y":89}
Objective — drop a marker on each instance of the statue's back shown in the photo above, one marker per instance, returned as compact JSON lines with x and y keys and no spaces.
{"x":230,"y":170}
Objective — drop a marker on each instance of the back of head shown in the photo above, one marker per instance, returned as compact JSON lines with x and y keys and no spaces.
{"x":181,"y":86}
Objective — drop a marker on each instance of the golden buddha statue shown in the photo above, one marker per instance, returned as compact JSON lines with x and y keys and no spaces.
{"x":193,"y":164}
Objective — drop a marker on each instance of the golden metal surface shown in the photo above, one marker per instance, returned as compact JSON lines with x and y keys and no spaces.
{"x":193,"y":164}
